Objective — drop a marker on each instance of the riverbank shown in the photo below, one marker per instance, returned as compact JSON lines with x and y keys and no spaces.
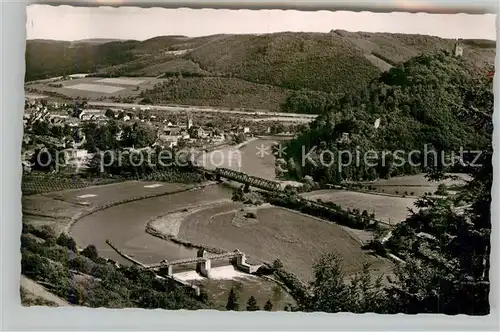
{"x":167,"y":226}
{"x":62,"y":210}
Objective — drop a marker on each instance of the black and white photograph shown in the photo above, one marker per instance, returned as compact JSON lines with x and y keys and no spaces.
{"x":257,"y":160}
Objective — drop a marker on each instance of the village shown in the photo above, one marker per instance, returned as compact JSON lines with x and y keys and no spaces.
{"x":61,"y":126}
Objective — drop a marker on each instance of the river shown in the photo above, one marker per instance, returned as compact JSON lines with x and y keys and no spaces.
{"x":124,"y":225}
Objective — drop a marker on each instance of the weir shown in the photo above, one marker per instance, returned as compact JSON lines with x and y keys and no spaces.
{"x":204,"y":263}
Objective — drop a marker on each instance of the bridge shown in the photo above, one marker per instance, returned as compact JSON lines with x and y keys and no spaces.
{"x":203,"y":263}
{"x":247,"y":180}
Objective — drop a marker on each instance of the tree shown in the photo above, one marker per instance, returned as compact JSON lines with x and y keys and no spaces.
{"x":277,"y":264}
{"x":268,"y":306}
{"x":331,"y":293}
{"x":66,"y":241}
{"x":40,"y":127}
{"x":239,"y":138}
{"x":109,"y":113}
{"x":252,"y":304}
{"x":232,"y":301}
{"x":90,"y":252}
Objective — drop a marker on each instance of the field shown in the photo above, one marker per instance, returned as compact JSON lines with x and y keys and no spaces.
{"x":297,"y":240}
{"x":120,"y":81}
{"x":414,"y":185}
{"x":386,"y":208}
{"x":96,"y":87}
{"x":104,"y":195}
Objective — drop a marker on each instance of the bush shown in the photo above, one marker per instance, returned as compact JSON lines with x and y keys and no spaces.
{"x":251,"y":215}
{"x":90,"y":252}
{"x":81,"y":264}
{"x":57,"y":254}
{"x":277,"y":264}
{"x":32,"y":265}
{"x":66,"y":241}
{"x":44,"y":232}
{"x":30,"y":243}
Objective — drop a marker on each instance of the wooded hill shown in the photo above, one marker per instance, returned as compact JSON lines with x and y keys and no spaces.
{"x":428,"y":103}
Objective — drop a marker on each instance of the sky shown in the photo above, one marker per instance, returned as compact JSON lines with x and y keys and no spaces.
{"x":75,"y":23}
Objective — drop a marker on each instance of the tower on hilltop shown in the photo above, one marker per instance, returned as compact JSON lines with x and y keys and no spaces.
{"x":189,"y":120}
{"x":458,"y":50}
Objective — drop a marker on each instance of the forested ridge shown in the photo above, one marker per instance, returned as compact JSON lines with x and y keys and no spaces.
{"x":428,"y":103}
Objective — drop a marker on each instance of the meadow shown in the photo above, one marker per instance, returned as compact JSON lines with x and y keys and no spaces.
{"x":296,"y":239}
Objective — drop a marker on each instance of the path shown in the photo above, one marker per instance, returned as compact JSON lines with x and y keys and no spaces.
{"x":40,"y":291}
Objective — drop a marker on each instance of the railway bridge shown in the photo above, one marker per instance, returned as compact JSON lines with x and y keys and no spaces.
{"x":204,"y":263}
{"x":247,"y":180}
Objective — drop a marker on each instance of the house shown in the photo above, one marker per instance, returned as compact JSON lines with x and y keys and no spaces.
{"x":198,"y":132}
{"x":76,"y":153}
{"x":92,"y":115}
{"x":26,"y":166}
{"x":246,"y":130}
{"x":77,"y":158}
{"x":168,"y":141}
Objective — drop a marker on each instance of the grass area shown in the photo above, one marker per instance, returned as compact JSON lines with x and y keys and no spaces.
{"x":117,"y":192}
{"x":296,"y":239}
{"x":386,"y":208}
{"x":28,"y":299}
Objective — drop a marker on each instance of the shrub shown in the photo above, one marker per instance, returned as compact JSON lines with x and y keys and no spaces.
{"x":46,"y":233}
{"x":251,"y":215}
{"x":91,"y":253}
{"x":32,"y":265}
{"x":81,"y":264}
{"x":66,"y":241}
{"x":277,"y":264}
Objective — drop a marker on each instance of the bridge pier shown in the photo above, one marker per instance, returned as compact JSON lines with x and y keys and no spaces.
{"x":246,"y":188}
{"x":217,"y":177}
{"x":241,"y":259}
{"x":205,"y":268}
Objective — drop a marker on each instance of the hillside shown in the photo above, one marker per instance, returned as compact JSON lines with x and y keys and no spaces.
{"x":46,"y":58}
{"x":336,"y":63}
{"x":428,"y":103}
{"x":290,"y":60}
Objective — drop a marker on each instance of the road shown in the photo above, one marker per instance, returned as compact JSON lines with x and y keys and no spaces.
{"x":201,"y":109}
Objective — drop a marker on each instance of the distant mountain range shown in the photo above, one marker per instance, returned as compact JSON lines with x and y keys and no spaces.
{"x":265,"y":64}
